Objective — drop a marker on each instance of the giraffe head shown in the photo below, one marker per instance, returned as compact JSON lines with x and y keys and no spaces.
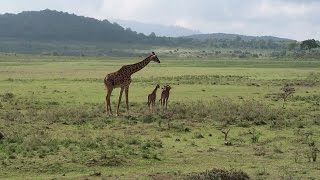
{"x":168,"y":87}
{"x":154,"y":57}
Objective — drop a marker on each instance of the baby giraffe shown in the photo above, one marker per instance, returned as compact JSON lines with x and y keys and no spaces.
{"x":165,"y":96}
{"x":152,"y":98}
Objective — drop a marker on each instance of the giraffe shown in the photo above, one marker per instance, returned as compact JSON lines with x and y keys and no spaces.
{"x":122,"y":79}
{"x":165,"y":95}
{"x":152,"y":98}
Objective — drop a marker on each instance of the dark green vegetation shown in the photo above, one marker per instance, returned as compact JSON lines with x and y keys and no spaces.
{"x":221,"y":40}
{"x":309,"y":44}
{"x":52,"y":121}
{"x":56,"y":33}
{"x":50,"y":25}
{"x":216,"y":174}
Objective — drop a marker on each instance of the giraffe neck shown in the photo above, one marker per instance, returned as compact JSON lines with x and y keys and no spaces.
{"x":133,"y":68}
{"x":155,"y":90}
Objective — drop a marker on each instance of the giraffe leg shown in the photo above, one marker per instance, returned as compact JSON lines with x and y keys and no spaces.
{"x":149,"y":102}
{"x":163,"y":102}
{"x":127,"y":98}
{"x":166,"y":103}
{"x":108,"y":104}
{"x":152,"y":106}
{"x":121,"y":91}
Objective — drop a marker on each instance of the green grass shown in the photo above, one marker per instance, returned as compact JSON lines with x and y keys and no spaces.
{"x":54,"y":124}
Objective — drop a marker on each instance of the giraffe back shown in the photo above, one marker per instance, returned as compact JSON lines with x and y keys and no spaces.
{"x":119,"y":78}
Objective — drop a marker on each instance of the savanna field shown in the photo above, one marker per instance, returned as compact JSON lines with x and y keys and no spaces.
{"x":53,"y":122}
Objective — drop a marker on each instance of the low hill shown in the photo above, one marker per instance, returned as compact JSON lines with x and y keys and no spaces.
{"x":54,"y":25}
{"x":224,"y":36}
{"x":69,"y":34}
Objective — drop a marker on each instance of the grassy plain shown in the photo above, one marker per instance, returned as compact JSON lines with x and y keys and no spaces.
{"x":53,"y":122}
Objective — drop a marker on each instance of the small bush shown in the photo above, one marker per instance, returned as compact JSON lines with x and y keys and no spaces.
{"x":198,"y":135}
{"x":113,"y":160}
{"x":71,"y":115}
{"x":1,"y":136}
{"x":154,"y":143}
{"x":12,"y":115}
{"x":106,"y":160}
{"x":133,"y":141}
{"x":219,"y":174}
{"x":40,"y":142}
{"x":259,"y":151}
{"x":148,"y":118}
{"x":229,"y":112}
{"x":7,"y":96}
{"x":255,"y":135}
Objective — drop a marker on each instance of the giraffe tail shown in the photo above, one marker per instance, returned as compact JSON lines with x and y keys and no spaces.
{"x":105,"y":81}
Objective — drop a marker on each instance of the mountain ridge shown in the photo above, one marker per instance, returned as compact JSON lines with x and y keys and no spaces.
{"x":56,"y":25}
{"x":40,"y":31}
{"x":217,"y":36}
{"x":65,"y":26}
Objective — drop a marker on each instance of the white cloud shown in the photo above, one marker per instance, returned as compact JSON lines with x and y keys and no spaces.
{"x":124,"y":9}
{"x":183,"y":23}
{"x":273,"y":8}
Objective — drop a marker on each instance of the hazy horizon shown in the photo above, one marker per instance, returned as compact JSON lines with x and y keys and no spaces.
{"x":283,"y":18}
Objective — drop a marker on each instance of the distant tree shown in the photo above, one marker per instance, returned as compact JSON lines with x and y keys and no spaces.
{"x":237,"y":39}
{"x":309,"y":44}
{"x":292,"y":45}
{"x":152,"y":34}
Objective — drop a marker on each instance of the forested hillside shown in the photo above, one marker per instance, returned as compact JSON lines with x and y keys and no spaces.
{"x":237,"y":41}
{"x":54,"y":25}
{"x":50,"y":31}
{"x":217,"y":36}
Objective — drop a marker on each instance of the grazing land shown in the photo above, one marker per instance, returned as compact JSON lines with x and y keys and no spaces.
{"x":53,"y":125}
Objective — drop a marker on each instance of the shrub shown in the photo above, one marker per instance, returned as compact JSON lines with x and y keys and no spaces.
{"x":113,"y":160}
{"x":229,"y":112}
{"x":40,"y":142}
{"x":106,"y":160}
{"x":154,"y":143}
{"x":148,"y":118}
{"x":71,"y":115}
{"x":198,"y":135}
{"x":7,"y":96}
{"x":1,"y":136}
{"x":254,"y":135}
{"x":133,"y":141}
{"x":219,"y":174}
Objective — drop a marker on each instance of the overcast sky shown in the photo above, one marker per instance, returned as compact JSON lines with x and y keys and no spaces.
{"x":296,"y":19}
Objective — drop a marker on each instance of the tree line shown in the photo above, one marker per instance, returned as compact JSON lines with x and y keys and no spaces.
{"x":54,"y":26}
